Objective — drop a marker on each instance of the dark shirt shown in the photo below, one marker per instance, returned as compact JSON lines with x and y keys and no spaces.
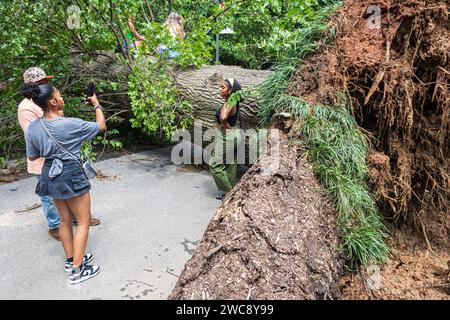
{"x":231,"y":119}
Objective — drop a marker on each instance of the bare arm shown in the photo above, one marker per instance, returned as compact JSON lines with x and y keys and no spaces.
{"x":224,"y":113}
{"x":100,"y":119}
{"x":223,"y":118}
{"x":133,"y":29}
{"x":99,"y":116}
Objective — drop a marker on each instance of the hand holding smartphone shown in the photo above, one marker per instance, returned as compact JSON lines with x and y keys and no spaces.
{"x":91,"y":90}
{"x":91,"y":96}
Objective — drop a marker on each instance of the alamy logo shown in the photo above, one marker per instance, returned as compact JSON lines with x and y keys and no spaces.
{"x":232,"y":145}
{"x":374,"y":20}
{"x":374,"y":278}
{"x":73,"y":17}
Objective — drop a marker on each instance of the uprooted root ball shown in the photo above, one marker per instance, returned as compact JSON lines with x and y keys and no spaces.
{"x":397,"y":77}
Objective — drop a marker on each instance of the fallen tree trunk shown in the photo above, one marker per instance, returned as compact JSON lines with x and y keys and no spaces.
{"x":200,"y":87}
{"x":274,"y":237}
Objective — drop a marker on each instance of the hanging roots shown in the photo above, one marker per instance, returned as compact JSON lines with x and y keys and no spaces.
{"x":397,"y":78}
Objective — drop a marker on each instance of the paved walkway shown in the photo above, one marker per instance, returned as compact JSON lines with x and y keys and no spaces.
{"x":153,"y":214}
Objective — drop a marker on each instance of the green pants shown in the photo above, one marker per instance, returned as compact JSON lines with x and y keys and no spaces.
{"x":223,"y":171}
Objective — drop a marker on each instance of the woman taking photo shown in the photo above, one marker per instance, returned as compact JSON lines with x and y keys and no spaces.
{"x":224,"y":169}
{"x":59,"y":140}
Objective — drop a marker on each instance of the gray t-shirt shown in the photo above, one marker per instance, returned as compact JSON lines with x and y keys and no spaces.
{"x":69,"y":132}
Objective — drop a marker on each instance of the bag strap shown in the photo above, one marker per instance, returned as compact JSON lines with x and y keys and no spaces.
{"x":58,"y":143}
{"x":239,"y":115}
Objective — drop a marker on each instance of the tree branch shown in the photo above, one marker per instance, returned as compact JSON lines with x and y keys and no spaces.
{"x":124,"y":52}
{"x":226,"y":9}
{"x":150,"y":10}
{"x":170,"y":6}
{"x":130,"y":59}
{"x":91,"y":53}
{"x":144,"y":14}
{"x":222,"y":12}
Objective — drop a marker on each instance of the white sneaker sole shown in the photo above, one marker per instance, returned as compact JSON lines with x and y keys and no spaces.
{"x":85,"y":278}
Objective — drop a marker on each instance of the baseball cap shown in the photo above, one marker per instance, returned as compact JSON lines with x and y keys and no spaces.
{"x":35,"y":74}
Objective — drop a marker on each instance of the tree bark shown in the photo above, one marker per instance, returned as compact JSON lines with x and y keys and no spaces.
{"x":169,"y":6}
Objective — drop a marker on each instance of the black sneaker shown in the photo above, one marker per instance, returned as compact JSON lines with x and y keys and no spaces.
{"x":83,"y":273}
{"x":221,"y":195}
{"x":68,"y":265}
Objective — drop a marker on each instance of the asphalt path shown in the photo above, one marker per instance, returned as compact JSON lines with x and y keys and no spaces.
{"x":153,"y":214}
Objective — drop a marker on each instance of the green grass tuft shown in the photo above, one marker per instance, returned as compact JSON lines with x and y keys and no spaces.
{"x":338,"y":152}
{"x":309,"y":38}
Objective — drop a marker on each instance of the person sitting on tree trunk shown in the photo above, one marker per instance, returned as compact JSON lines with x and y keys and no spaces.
{"x":174,"y":23}
{"x":222,"y":167}
{"x":59,"y":141}
{"x":27,"y":112}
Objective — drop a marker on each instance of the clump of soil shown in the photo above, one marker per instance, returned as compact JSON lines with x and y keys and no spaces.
{"x":274,"y":237}
{"x":101,"y":176}
{"x":380,"y":176}
{"x":193,"y":168}
{"x":13,"y":172}
{"x":397,"y":78}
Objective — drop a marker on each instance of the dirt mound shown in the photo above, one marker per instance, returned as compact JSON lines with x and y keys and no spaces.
{"x":273,"y":238}
{"x":397,"y":78}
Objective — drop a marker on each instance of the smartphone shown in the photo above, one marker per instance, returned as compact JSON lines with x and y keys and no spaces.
{"x":91,"y":90}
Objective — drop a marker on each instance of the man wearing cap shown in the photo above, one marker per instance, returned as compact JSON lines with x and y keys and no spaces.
{"x":27,"y":112}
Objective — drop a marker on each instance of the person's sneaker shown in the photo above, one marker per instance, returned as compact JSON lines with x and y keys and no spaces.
{"x":83,"y":273}
{"x":54,"y":233}
{"x":68,"y":265}
{"x":221,"y":195}
{"x":94,"y":222}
